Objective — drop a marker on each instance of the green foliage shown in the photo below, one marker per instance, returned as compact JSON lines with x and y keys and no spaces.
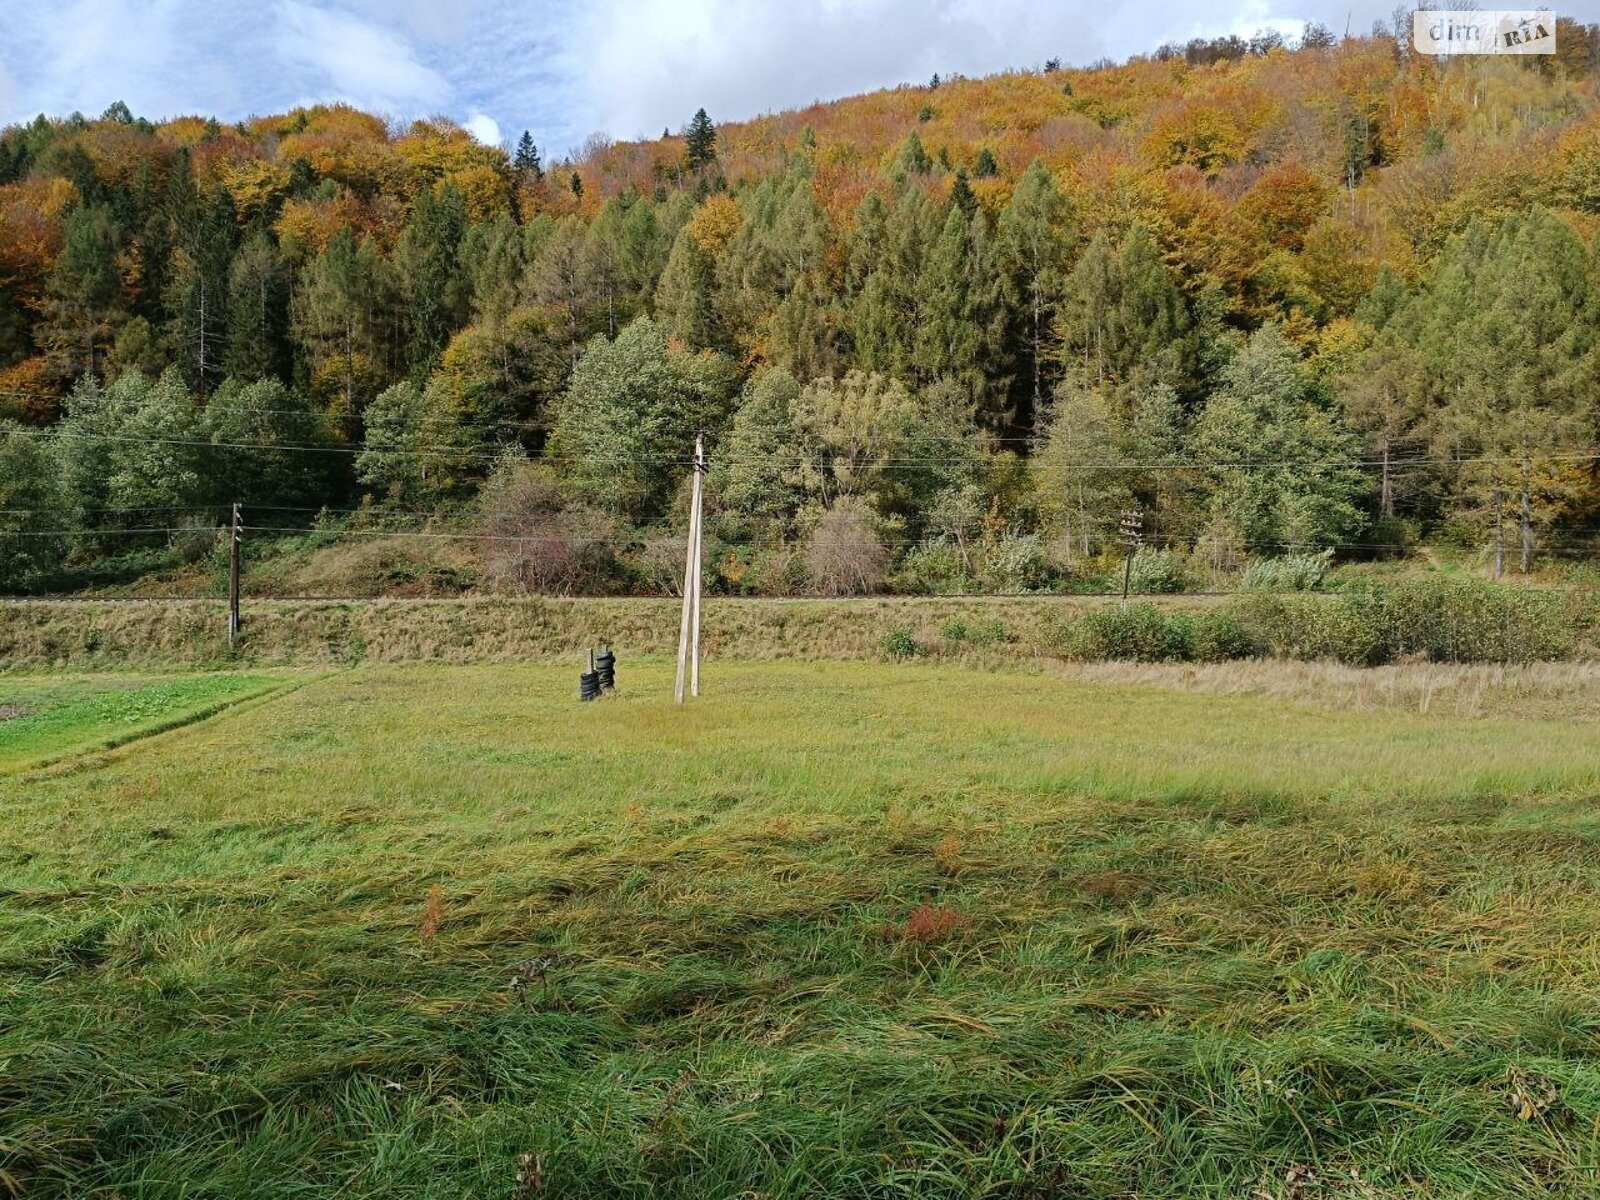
{"x":247,"y":423}
{"x":1220,"y":636}
{"x":1015,"y":563}
{"x":628,"y":421}
{"x":1286,"y":473}
{"x":1139,"y":633}
{"x":900,"y":643}
{"x":1155,"y":572}
{"x":762,"y":473}
{"x":37,"y":510}
{"x":411,"y":446}
{"x":1457,"y":621}
{"x":1286,"y":573}
{"x":700,"y":141}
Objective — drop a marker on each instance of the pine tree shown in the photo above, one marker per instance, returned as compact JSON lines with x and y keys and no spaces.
{"x":913,"y":159}
{"x":337,"y":314}
{"x":561,"y":277}
{"x":204,"y":233}
{"x":493,"y":260}
{"x":700,"y":141}
{"x":987,"y":167}
{"x":1511,"y":338}
{"x":1123,"y":323}
{"x":959,"y":333}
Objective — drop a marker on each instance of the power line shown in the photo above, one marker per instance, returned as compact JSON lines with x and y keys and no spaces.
{"x":836,"y":461}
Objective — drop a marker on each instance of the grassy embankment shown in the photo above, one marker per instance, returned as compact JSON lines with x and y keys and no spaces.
{"x":59,"y":635}
{"x":1449,"y":621}
{"x":835,"y":930}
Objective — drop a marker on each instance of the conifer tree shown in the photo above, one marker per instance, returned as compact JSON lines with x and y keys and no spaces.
{"x":700,"y":141}
{"x":83,"y":292}
{"x":436,"y":292}
{"x":961,"y":195}
{"x":526,"y":159}
{"x":258,"y":313}
{"x":685,"y":297}
{"x":1035,"y":239}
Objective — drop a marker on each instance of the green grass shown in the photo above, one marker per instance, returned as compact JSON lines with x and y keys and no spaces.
{"x":1177,"y":943}
{"x":45,"y":716}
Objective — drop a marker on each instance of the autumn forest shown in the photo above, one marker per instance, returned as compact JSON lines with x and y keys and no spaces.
{"x":1323,"y":301}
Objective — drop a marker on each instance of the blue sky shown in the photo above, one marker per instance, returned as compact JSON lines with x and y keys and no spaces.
{"x":569,"y":68}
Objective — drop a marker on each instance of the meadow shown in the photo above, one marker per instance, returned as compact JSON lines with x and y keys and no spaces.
{"x":836,"y":929}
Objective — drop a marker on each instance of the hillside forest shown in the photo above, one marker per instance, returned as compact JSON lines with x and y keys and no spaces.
{"x":1292,"y":303}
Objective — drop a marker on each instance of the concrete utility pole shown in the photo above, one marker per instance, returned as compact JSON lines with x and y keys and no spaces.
{"x":689,"y":626}
{"x":236,"y":536}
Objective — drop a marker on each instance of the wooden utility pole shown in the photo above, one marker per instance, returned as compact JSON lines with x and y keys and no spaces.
{"x":1132,"y":538}
{"x":689,"y":626}
{"x":236,"y":536}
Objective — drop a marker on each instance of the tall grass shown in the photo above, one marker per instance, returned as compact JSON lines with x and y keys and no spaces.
{"x":836,"y":930}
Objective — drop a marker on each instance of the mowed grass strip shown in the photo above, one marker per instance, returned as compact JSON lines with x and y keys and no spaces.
{"x":44,"y":717}
{"x":832,"y":930}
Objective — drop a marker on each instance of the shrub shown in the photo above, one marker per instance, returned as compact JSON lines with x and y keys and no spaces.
{"x":195,"y":539}
{"x":900,"y":643}
{"x":1157,"y":572}
{"x":1443,"y":621}
{"x":1288,"y":573}
{"x":991,"y":632}
{"x":1141,"y":633}
{"x":1016,"y":563}
{"x":1219,"y":636}
{"x":933,"y":568}
{"x":844,"y":556}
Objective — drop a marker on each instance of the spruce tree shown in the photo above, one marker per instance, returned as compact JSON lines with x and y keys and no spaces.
{"x":962,"y":197}
{"x":436,"y":290}
{"x":526,"y":160}
{"x":700,"y":141}
{"x":685,"y":298}
{"x":1035,"y":239}
{"x":83,"y":292}
{"x":258,"y":313}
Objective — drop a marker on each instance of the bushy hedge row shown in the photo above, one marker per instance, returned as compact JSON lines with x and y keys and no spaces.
{"x":1436,"y":621}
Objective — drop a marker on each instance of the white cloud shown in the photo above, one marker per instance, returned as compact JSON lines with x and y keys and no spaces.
{"x":341,"y":56}
{"x":483,"y":127}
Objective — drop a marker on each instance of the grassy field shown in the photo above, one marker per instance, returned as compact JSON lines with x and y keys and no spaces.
{"x":834,"y":930}
{"x":44,"y":717}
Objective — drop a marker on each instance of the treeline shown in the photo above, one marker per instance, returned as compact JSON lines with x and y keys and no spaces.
{"x":933,"y":367}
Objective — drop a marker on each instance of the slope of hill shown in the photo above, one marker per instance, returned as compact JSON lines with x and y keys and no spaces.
{"x":1143,"y":278}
